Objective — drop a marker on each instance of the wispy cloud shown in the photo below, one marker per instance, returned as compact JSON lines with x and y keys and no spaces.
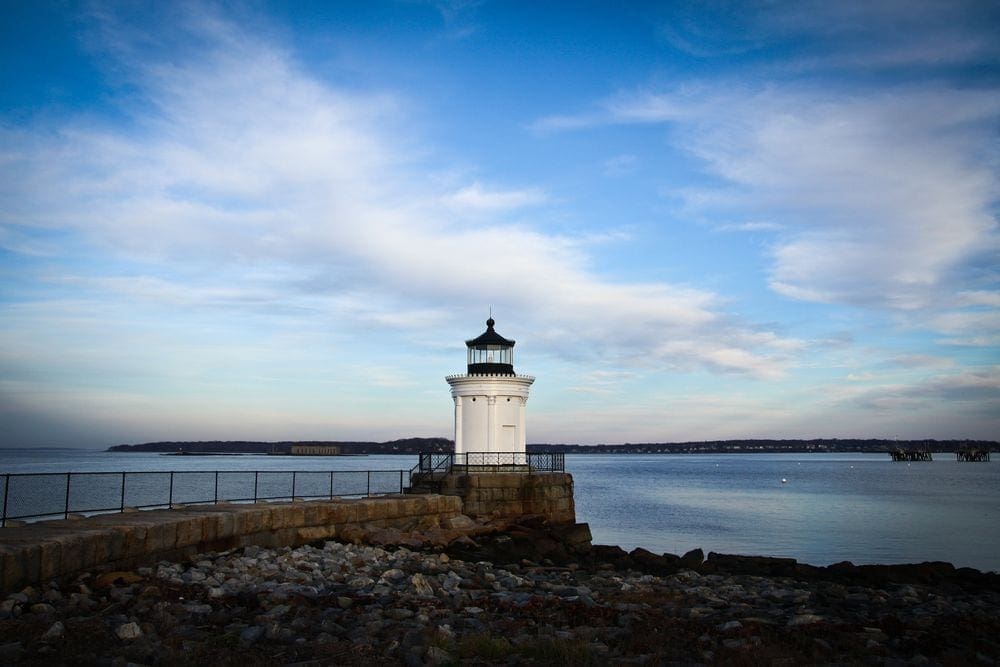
{"x":477,"y":197}
{"x":878,"y":195}
{"x":240,"y":167}
{"x":892,"y":34}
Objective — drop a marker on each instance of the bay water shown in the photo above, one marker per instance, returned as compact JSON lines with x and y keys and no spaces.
{"x":817,"y":508}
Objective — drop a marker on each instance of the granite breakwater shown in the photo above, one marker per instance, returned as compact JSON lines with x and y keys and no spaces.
{"x":527,"y":594}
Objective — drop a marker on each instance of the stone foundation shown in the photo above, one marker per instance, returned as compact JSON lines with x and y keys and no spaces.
{"x":510,"y":495}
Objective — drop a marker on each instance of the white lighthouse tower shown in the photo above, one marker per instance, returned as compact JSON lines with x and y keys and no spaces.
{"x":490,"y":399}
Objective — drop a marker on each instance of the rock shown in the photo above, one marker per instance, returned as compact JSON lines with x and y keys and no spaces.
{"x":392,"y":576}
{"x":731,"y":626}
{"x":693,"y":558}
{"x":353,"y":533}
{"x":55,"y":631}
{"x":648,"y":561}
{"x":128,"y":631}
{"x":385,"y":536}
{"x":459,"y":522}
{"x":464,"y":542}
{"x":197,"y":608}
{"x":118,"y":578}
{"x":451,"y":582}
{"x":11,"y":652}
{"x":421,"y":586}
{"x":754,"y":565}
{"x":804,"y":619}
{"x":823,"y":645}
{"x":252,"y":634}
{"x":577,"y":537}
{"x":437,"y":656}
{"x":42,"y":608}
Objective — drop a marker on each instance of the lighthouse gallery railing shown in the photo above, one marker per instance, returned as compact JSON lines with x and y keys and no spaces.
{"x":431,"y":463}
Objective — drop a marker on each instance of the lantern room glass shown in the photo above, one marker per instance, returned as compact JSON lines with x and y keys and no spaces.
{"x":491,"y":354}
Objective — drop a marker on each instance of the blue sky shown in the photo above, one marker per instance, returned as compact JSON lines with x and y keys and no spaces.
{"x":699,"y":220}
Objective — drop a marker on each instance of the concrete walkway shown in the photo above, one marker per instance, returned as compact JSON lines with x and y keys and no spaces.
{"x":39,"y":552}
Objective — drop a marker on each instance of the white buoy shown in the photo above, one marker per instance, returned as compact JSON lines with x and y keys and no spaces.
{"x":784,"y":481}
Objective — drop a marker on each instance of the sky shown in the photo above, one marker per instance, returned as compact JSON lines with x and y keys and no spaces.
{"x":699,"y":220}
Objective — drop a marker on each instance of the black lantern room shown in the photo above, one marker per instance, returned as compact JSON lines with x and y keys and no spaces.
{"x":490,"y":353}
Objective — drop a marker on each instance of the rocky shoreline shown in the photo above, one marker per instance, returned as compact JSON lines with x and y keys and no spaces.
{"x":526,"y":594}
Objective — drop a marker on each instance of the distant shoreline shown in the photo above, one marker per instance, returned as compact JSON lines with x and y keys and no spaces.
{"x":442,"y":445}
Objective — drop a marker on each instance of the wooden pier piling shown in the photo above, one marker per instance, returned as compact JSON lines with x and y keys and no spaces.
{"x":900,"y":454}
{"x":973,"y":455}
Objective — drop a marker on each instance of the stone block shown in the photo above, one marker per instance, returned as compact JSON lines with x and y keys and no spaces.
{"x":308,"y":534}
{"x":514,"y":508}
{"x":161,"y":536}
{"x":293,"y":516}
{"x":188,"y":531}
{"x":348,"y":512}
{"x":73,"y":552}
{"x":50,"y":561}
{"x":314,"y":514}
{"x":114,"y":543}
{"x":135,"y":540}
{"x":253,"y":519}
{"x":13,"y":572}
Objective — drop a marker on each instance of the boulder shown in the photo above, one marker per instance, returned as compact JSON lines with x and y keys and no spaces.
{"x":576,"y":537}
{"x":692,"y":559}
{"x":459,"y":522}
{"x":654,"y":563}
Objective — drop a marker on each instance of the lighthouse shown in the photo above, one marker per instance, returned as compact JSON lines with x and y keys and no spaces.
{"x":490,"y":398}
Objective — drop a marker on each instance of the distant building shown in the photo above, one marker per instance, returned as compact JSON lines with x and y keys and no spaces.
{"x":315,"y":450}
{"x":490,"y":399}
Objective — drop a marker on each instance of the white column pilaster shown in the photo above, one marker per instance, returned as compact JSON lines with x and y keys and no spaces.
{"x":458,"y":425}
{"x":491,"y":425}
{"x":522,"y":434}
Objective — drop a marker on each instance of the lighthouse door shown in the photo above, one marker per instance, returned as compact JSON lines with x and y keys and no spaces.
{"x":508,"y":438}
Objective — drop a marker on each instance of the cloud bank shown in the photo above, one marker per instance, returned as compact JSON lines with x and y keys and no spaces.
{"x":244,"y":180}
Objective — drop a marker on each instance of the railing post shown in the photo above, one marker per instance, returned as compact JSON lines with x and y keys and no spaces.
{"x":256,"y":475}
{"x":66,"y":513}
{"x":369,"y":493}
{"x":331,"y":485}
{"x":216,"y":487}
{"x":293,"y":486}
{"x":123,"y":492}
{"x":6,"y":493}
{"x":400,"y":481}
{"x":170,"y":499}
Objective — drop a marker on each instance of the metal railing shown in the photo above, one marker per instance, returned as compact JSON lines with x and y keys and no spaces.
{"x":47,"y":494}
{"x":434,"y":463}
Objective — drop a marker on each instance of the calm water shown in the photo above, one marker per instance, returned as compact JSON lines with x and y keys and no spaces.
{"x":857,"y":507}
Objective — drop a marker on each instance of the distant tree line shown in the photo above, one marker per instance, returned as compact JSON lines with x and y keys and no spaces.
{"x":441,"y":445}
{"x":760,"y":446}
{"x":403,"y":446}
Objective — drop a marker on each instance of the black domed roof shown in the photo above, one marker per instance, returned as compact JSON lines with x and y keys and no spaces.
{"x":489,"y":337}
